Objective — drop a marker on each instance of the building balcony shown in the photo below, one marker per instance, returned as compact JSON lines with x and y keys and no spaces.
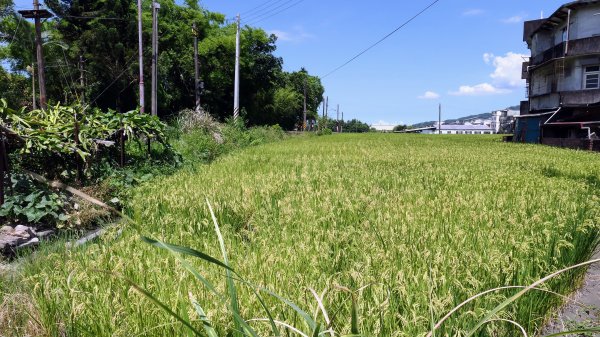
{"x":586,"y":46}
{"x":580,"y":97}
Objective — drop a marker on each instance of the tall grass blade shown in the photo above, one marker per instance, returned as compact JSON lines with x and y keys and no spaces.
{"x":354,"y":323}
{"x":431,"y":316}
{"x":210,"y":331}
{"x":210,"y":286}
{"x":317,"y":330}
{"x":521,"y":328}
{"x":158,"y":302}
{"x":508,"y":301}
{"x":309,"y":321}
{"x":186,"y":251}
{"x":235,"y":306}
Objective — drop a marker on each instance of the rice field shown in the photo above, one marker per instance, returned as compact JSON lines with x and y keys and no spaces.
{"x":407,"y":226}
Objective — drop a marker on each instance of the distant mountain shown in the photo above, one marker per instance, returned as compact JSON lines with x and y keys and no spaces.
{"x":462,"y":120}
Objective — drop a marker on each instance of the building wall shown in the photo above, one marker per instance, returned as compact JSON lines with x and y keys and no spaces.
{"x":584,"y":23}
{"x":546,"y":102}
{"x":540,"y":42}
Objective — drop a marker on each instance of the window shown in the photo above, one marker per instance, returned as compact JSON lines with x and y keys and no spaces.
{"x":592,"y":77}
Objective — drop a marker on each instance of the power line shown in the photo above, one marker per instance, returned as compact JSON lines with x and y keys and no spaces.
{"x":260,"y":7}
{"x":266,"y":15}
{"x":382,"y":39}
{"x":95,"y":17}
{"x":126,"y":68}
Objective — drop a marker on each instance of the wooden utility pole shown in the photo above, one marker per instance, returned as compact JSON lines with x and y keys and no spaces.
{"x":440,"y":120}
{"x":154,"y":104}
{"x":37,"y":14}
{"x":141,"y":56}
{"x":304,"y":119}
{"x":236,"y":89}
{"x":196,"y":68}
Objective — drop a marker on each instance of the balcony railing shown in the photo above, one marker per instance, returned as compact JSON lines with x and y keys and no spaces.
{"x":586,"y":46}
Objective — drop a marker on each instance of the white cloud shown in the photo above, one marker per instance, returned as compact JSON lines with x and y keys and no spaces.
{"x":508,"y":69}
{"x":473,"y":12}
{"x":505,"y":78}
{"x":479,"y":90}
{"x":429,"y":95}
{"x":514,"y":19}
{"x":297,"y":34}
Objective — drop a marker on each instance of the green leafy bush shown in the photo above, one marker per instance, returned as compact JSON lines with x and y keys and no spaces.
{"x":30,"y":203}
{"x":60,"y":137}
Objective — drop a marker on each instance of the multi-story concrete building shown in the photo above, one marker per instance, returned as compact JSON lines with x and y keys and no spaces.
{"x":563,"y":77}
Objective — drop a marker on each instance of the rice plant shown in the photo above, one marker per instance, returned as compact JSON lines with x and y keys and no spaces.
{"x":387,"y":233}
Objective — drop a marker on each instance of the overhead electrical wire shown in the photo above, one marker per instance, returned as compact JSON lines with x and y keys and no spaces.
{"x":259,"y":19}
{"x":268,"y":9}
{"x":260,"y":7}
{"x":382,"y":39}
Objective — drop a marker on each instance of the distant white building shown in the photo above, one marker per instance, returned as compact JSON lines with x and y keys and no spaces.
{"x":449,"y":129}
{"x":383,"y":128}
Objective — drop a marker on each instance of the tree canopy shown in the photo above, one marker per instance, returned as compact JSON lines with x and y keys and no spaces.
{"x":96,"y":42}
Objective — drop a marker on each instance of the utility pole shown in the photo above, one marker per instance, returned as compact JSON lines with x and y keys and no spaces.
{"x":196,"y":68}
{"x":38,"y":14}
{"x":337,"y":128}
{"x":440,"y":120}
{"x":327,"y":107}
{"x":324,"y":107}
{"x":236,"y":89}
{"x":342,"y":123}
{"x":82,"y":79}
{"x":154,"y":104}
{"x":304,"y":123}
{"x":141,"y":57}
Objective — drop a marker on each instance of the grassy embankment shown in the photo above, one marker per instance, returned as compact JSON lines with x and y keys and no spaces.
{"x":402,"y":216}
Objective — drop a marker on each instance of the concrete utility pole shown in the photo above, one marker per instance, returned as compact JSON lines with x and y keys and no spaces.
{"x":236,"y":89}
{"x":324,"y":107}
{"x":141,"y":57}
{"x":304,"y":123}
{"x":342,"y":123}
{"x":440,"y":120}
{"x":155,"y":8}
{"x":196,"y":68}
{"x":327,"y":107}
{"x":38,"y":14}
{"x":337,"y":128}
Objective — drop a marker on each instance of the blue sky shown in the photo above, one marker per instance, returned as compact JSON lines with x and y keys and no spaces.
{"x":476,"y":45}
{"x":465,"y":54}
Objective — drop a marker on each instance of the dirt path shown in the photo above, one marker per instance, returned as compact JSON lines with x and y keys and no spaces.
{"x":573,"y":316}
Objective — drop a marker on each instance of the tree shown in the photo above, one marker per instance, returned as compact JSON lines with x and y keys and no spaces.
{"x":356,"y":126}
{"x":399,"y":128}
{"x":287,"y":102}
{"x":104,"y":35}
